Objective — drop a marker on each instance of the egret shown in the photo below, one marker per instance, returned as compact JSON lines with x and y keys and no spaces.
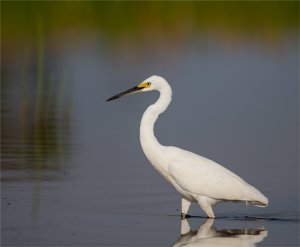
{"x":197,"y":179}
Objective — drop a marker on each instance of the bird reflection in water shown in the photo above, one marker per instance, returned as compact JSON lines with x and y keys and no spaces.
{"x":208,"y":235}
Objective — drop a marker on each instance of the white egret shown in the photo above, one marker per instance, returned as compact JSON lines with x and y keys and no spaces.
{"x":197,"y":179}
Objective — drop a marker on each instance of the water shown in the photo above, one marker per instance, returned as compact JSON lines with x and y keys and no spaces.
{"x":72,"y":169}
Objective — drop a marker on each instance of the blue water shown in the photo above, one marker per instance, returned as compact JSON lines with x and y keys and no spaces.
{"x":85,"y":181}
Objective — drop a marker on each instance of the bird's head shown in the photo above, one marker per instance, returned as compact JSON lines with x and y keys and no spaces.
{"x":152,"y":83}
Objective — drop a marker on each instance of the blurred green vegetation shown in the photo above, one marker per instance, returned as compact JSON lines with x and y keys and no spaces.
{"x":126,"y":19}
{"x":35,"y":109}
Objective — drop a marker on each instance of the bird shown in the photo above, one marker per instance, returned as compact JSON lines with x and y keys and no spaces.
{"x":197,"y":179}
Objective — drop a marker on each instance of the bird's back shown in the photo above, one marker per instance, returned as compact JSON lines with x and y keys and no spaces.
{"x":203,"y":176}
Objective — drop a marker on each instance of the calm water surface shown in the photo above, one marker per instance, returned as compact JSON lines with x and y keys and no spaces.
{"x":73,"y":172}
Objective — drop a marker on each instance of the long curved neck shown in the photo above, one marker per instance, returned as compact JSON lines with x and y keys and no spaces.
{"x":148,"y":140}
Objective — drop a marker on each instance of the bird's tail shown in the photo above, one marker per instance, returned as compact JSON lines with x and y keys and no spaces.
{"x":257,"y":198}
{"x":257,"y":203}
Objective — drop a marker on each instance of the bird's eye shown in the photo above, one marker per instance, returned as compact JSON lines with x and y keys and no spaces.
{"x":148,"y":83}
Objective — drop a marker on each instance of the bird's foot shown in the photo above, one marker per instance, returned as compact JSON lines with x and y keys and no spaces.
{"x":185,"y":216}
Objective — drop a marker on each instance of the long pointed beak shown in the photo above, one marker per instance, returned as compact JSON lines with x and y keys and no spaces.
{"x":130,"y":91}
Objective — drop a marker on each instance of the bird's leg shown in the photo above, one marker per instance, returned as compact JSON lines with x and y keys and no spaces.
{"x":185,"y":227}
{"x":206,"y":229}
{"x":185,"y":205}
{"x":206,"y":207}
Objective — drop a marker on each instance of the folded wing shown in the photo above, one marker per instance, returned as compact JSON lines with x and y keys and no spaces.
{"x":207,"y":178}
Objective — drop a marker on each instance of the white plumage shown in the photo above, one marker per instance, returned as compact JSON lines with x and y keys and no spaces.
{"x":197,"y":179}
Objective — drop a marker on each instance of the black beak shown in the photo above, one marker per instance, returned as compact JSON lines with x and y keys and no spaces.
{"x":131,"y":90}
